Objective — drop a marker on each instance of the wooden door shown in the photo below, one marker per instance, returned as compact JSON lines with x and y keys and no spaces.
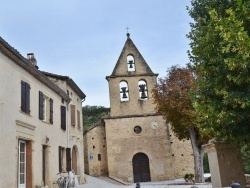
{"x":141,"y":169}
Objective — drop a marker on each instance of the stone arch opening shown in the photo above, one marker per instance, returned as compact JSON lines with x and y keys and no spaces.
{"x":141,"y":170}
{"x":131,"y":63}
{"x":124,"y":95}
{"x":143,"y":90}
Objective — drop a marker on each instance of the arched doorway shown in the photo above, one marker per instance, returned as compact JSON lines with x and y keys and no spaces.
{"x":141,"y":168}
{"x":74,"y":159}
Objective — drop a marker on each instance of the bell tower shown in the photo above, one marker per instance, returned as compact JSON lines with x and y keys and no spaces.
{"x":131,"y":83}
{"x":137,"y":138}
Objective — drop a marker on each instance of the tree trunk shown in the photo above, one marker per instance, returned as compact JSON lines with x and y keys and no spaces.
{"x":198,"y":157}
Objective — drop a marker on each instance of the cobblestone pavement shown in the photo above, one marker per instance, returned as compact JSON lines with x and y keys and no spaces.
{"x":104,"y":182}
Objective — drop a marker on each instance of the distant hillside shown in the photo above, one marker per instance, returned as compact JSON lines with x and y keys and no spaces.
{"x":93,"y":114}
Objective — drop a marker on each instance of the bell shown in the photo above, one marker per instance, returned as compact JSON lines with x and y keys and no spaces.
{"x":143,"y":95}
{"x":124,"y":96}
{"x":142,"y":90}
{"x":130,"y":62}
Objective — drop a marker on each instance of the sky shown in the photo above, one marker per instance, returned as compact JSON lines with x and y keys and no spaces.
{"x":83,"y":39}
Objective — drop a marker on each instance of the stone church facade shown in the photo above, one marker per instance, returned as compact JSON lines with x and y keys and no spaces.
{"x":134,"y":143}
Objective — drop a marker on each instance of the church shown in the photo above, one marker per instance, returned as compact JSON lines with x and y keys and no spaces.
{"x":134,"y":143}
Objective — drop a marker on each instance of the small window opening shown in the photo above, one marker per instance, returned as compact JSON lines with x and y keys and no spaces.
{"x":124,"y":91}
{"x":99,"y":157}
{"x":131,"y":63}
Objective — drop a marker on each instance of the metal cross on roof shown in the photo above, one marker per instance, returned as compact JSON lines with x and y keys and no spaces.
{"x":127,"y":29}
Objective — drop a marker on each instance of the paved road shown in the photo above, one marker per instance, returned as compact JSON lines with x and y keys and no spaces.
{"x":93,"y":182}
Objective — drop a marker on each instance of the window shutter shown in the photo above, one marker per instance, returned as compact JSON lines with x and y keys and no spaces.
{"x":25,"y":97}
{"x":41,"y":105}
{"x":60,"y":158}
{"x":23,"y":109}
{"x":51,"y":111}
{"x":72,"y":110}
{"x":78,"y":119}
{"x":27,"y":89}
{"x":63,"y":117}
{"x":68,"y":159}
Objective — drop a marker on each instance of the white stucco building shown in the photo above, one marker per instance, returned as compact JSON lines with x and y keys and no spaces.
{"x":40,"y":123}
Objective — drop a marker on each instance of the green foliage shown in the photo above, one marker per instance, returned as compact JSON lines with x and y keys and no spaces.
{"x":220,"y":53}
{"x":93,"y":114}
{"x":245,"y":153}
{"x":206,"y":164}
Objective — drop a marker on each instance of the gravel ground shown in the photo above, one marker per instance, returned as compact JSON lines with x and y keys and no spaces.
{"x":104,"y":182}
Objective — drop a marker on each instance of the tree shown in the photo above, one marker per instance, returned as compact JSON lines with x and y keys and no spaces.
{"x":220,"y":53}
{"x":172,"y":99}
{"x":93,"y":114}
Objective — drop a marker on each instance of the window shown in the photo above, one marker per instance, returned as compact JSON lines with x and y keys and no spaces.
{"x":45,"y":108}
{"x":124,"y":91}
{"x":78,"y":120}
{"x":25,"y":97}
{"x":143,"y":90}
{"x":99,"y":157}
{"x":72,"y":112}
{"x":131,"y":63}
{"x":137,"y":129}
{"x":63,"y":117}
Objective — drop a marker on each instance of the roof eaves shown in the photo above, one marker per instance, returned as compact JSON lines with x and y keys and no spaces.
{"x":74,"y":86}
{"x":69,"y":81}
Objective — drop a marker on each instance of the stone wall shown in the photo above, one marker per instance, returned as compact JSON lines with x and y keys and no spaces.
{"x":134,"y":105}
{"x":182,"y":155}
{"x":95,"y":144}
{"x":123,"y":143}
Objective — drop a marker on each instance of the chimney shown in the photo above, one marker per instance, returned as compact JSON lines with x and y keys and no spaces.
{"x":31,"y":58}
